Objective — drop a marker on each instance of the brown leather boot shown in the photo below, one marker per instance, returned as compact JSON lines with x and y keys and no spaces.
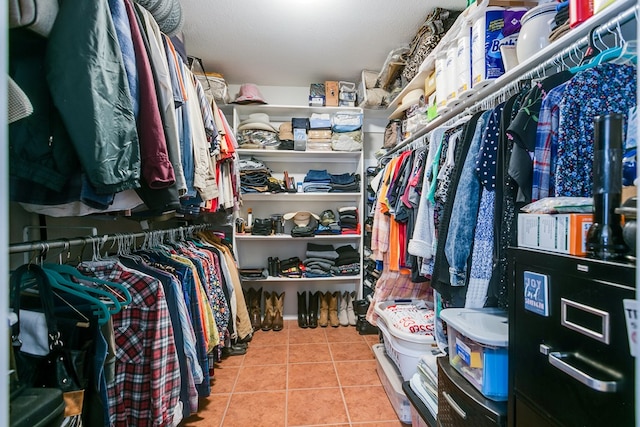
{"x":278,"y":309}
{"x":323,"y":319}
{"x":267,"y":322}
{"x":333,"y":309}
{"x":255,"y":311}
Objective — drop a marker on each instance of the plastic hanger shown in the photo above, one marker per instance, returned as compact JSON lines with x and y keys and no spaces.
{"x":72,"y":271}
{"x":113,"y":306}
{"x":628,"y":54}
{"x":102,"y":311}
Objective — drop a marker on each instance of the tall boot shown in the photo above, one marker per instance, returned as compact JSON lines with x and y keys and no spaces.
{"x":342,"y":309}
{"x":313,"y":309}
{"x":333,"y":309}
{"x":323,"y":320}
{"x":351,"y":315}
{"x":302,"y":310}
{"x":267,"y":322}
{"x":278,"y":311}
{"x":255,"y":311}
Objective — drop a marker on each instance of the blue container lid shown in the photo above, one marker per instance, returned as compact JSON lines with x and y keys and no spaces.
{"x":487,"y":326}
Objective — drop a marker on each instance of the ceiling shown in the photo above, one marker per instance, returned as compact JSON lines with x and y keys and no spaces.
{"x":297,"y":42}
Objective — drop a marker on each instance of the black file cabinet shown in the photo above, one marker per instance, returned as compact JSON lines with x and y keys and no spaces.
{"x":460,"y":404}
{"x":569,"y":341}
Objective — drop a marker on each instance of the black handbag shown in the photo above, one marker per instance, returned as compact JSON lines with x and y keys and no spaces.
{"x":62,"y":368}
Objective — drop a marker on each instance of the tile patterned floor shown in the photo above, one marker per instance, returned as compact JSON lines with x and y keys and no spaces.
{"x":324,"y":377}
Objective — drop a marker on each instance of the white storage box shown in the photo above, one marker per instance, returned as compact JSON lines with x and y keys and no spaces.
{"x":407,"y":329}
{"x":392,"y":384}
{"x":478,"y":342}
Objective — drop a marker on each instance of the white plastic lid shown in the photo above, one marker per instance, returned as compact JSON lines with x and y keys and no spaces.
{"x":485,"y":325}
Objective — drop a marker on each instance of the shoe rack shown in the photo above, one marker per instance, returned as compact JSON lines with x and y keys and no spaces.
{"x":255,"y":251}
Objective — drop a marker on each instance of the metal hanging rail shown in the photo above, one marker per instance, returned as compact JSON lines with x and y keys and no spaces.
{"x":607,"y":21}
{"x":45,"y":245}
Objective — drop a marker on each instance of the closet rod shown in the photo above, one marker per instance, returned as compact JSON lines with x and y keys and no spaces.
{"x":607,"y":21}
{"x":78,"y":241}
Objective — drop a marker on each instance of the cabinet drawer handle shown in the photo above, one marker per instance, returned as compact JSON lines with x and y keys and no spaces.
{"x":555,"y":358}
{"x":454,"y":405}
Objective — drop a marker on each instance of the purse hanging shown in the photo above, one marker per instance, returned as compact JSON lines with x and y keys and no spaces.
{"x":59,"y":367}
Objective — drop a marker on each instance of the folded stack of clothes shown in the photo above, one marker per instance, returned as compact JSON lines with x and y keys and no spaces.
{"x":345,"y":183}
{"x":348,"y":261}
{"x":254,"y":176}
{"x":252,"y":273}
{"x":320,"y":260}
{"x":290,"y":267}
{"x":425,"y":381}
{"x":349,"y":223}
{"x":560,"y":23}
{"x":317,"y":181}
{"x":319,"y":134}
{"x":346,"y":132}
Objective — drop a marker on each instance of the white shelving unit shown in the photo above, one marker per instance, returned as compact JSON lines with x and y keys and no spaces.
{"x":254,"y":250}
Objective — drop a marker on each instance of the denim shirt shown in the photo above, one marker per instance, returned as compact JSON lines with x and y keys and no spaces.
{"x":464,"y":213}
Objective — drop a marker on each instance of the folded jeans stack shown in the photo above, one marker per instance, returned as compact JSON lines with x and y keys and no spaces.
{"x":317,"y":181}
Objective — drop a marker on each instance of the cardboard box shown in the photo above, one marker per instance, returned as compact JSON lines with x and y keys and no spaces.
{"x":564,"y":233}
{"x":430,"y":84}
{"x":331,"y":93}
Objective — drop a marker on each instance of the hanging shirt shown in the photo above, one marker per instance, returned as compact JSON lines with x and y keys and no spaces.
{"x":147,"y":383}
{"x":606,"y":88}
{"x":546,"y":144}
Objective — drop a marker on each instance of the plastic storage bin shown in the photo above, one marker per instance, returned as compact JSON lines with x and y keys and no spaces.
{"x":478,"y":341}
{"x":396,"y":319}
{"x":392,"y":384}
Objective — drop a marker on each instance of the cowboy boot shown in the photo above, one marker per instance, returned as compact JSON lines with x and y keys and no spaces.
{"x":342,"y":309}
{"x":255,"y":312}
{"x":332,"y":300}
{"x":351,"y":315}
{"x":267,"y":322}
{"x":302,"y":310}
{"x":313,"y":309}
{"x":323,"y":320}
{"x":278,"y":311}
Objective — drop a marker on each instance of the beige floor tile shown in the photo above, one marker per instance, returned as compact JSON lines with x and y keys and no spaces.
{"x":224,"y":378}
{"x":259,"y":409}
{"x":368,"y":404}
{"x":232,"y":360}
{"x":315,"y":406}
{"x":301,"y":353}
{"x":343,"y":334}
{"x":269,"y":338}
{"x":261,"y":378}
{"x":266,"y":355}
{"x":307,"y":336}
{"x":312,"y":375}
{"x":357,"y":373}
{"x":351,"y":351}
{"x":210,"y":412}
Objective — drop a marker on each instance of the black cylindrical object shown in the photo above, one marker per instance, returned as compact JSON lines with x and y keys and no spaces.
{"x":604,"y":238}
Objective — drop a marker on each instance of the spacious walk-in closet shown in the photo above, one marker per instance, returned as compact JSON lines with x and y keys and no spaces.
{"x":313,"y":214}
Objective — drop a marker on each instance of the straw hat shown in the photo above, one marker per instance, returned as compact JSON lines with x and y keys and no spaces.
{"x":411,"y":98}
